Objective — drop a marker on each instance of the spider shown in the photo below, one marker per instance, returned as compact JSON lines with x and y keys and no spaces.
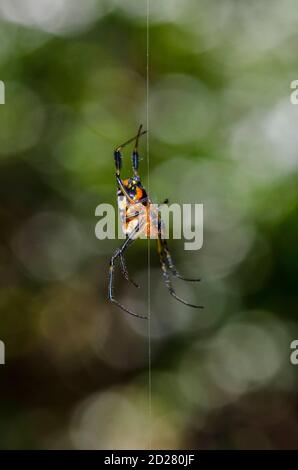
{"x":139,"y":217}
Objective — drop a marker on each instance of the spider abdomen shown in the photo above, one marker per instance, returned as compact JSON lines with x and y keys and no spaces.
{"x":134,"y":214}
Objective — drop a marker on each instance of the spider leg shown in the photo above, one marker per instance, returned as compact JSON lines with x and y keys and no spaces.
{"x":123,"y":190}
{"x":135,"y":154}
{"x":135,"y":158}
{"x":132,"y":139}
{"x":125,"y":272}
{"x":118,"y":161}
{"x":117,"y":152}
{"x":168,"y":257}
{"x":171,"y":265}
{"x":122,"y":259}
{"x":166,"y":276}
{"x":118,"y":253}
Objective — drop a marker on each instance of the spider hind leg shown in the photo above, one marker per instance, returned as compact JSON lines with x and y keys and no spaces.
{"x":171,"y":266}
{"x":125,"y":271}
{"x":166,"y":276}
{"x":118,"y":254}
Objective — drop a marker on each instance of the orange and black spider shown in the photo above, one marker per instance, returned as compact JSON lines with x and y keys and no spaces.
{"x":139,"y":217}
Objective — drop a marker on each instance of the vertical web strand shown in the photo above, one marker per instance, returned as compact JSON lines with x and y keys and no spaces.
{"x":148,"y":238}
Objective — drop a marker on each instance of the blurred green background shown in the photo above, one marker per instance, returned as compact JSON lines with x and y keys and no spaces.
{"x":223,"y":133}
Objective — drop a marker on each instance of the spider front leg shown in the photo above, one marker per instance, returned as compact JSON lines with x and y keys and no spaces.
{"x":117,"y":153}
{"x":118,"y":165}
{"x":118,"y":161}
{"x":135,"y":154}
{"x":118,"y":254}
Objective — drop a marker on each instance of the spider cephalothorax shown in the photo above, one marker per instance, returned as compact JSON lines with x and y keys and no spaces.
{"x":134,"y":189}
{"x":140,"y":217}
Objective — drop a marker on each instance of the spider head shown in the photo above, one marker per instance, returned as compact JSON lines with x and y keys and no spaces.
{"x":134,"y":188}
